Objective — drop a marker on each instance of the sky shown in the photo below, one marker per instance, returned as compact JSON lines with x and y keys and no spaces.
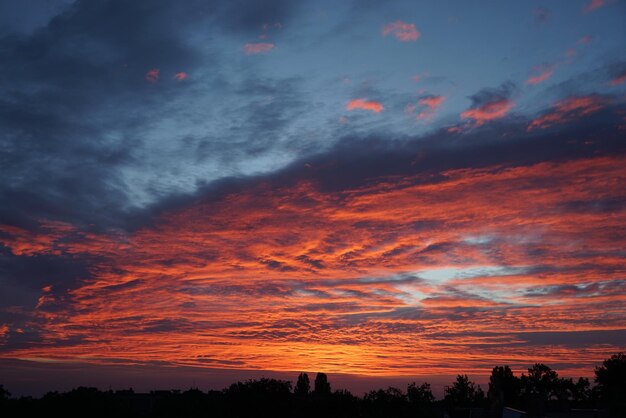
{"x":201,"y":191}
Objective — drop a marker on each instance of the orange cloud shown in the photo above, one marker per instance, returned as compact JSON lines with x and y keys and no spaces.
{"x":489,"y":111}
{"x":180,"y":76}
{"x":543,"y":73}
{"x":405,"y":32}
{"x":152,"y":76}
{"x":432,"y":102}
{"x":568,"y":110}
{"x":364,"y":104}
{"x":393,"y":277}
{"x":257,"y":48}
{"x":429,"y":105}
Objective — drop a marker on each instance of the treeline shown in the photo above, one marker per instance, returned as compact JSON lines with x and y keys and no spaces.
{"x":540,"y":392}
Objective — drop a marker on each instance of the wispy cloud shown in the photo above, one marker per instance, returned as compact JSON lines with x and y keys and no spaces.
{"x":152,"y":76}
{"x":594,"y":5}
{"x":369,"y":267}
{"x":402,"y":31}
{"x":488,"y":111}
{"x":257,"y":48}
{"x":542,"y":14}
{"x":541,"y":74}
{"x":567,"y":110}
{"x":426,"y":107}
{"x":617,"y":80}
{"x":365,"y":104}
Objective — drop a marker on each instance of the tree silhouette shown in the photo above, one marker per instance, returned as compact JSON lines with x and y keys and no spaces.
{"x":538,"y":392}
{"x":4,"y":394}
{"x":504,"y":389}
{"x":420,"y":395}
{"x":464,"y":392}
{"x":322,"y":387}
{"x":611,"y":380}
{"x":541,"y":385}
{"x":386,"y":402}
{"x":303,"y":386}
{"x":581,"y":391}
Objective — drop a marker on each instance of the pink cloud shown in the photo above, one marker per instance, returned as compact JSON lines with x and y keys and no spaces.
{"x":432,"y":102}
{"x":544,"y":73}
{"x":180,"y":76}
{"x":567,"y":110}
{"x":489,"y":111}
{"x":364,"y":104}
{"x":595,"y":4}
{"x":429,"y":105}
{"x":585,"y":40}
{"x":257,"y":48}
{"x":405,"y":32}
{"x":419,"y":77}
{"x":152,"y":76}
{"x":620,"y":79}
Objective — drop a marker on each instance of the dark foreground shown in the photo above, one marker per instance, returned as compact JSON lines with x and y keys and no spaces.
{"x":540,"y":393}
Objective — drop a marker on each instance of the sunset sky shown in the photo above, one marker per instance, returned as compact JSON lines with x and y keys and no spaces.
{"x":200,"y":191}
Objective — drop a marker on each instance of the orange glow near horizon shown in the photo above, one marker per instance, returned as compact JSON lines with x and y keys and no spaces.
{"x":403,"y":276}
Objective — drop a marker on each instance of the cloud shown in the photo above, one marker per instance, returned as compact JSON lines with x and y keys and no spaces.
{"x":490,"y":104}
{"x":620,"y":79}
{"x":257,"y":48}
{"x":542,"y":14}
{"x":433,"y":101}
{"x":405,"y":32}
{"x":419,"y":77}
{"x":567,"y":110}
{"x":489,"y":111}
{"x":365,"y":104}
{"x":338,"y":250}
{"x":428,"y":104}
{"x":152,"y":76}
{"x":594,"y":5}
{"x":374,"y":243}
{"x":180,"y":76}
{"x":541,"y":74}
{"x":585,"y":40}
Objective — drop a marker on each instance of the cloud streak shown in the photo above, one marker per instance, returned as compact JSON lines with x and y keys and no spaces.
{"x":364,"y":104}
{"x":257,"y":48}
{"x":489,"y":111}
{"x":541,"y":75}
{"x":567,"y":110}
{"x":402,"y":31}
{"x":347,"y":277}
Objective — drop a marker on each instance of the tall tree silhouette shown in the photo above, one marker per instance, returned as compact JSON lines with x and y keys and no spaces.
{"x":322,"y":387}
{"x":504,"y":389}
{"x":464,"y":392}
{"x":303,"y":385}
{"x":420,"y":395}
{"x":541,"y":385}
{"x":611,"y":380}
